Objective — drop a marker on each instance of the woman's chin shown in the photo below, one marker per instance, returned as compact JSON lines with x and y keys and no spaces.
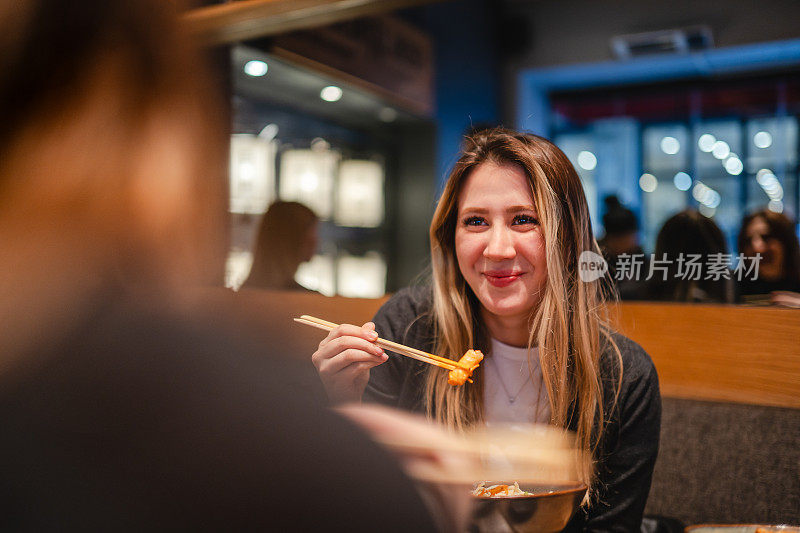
{"x":506,"y":306}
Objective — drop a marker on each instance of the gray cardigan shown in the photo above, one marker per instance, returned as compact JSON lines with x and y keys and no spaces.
{"x":627,"y":451}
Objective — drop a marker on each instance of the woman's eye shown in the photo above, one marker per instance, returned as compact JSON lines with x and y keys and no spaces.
{"x":474,"y":221}
{"x":524,"y":219}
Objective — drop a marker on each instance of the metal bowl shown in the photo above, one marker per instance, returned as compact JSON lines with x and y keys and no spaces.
{"x":548,"y":510}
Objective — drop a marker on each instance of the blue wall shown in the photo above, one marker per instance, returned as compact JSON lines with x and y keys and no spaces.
{"x":467,"y":76}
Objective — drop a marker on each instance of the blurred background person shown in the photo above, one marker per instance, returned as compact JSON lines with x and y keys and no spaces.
{"x":772,"y":236}
{"x":286,"y":239}
{"x":622,"y":237}
{"x":686,"y":234}
{"x":127,"y":403}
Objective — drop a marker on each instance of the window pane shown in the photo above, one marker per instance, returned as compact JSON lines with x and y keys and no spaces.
{"x":579,"y":148}
{"x":665,"y":154}
{"x":772,"y":143}
{"x":666,"y":148}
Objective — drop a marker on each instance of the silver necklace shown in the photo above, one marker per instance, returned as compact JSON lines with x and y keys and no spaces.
{"x":511,"y":398}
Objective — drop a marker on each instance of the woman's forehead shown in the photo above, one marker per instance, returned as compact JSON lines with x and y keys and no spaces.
{"x":758,"y":224}
{"x":496,"y":183}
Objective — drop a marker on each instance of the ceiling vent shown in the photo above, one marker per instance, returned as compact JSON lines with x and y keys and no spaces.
{"x":676,"y":41}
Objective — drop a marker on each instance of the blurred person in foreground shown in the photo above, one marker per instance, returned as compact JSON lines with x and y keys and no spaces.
{"x":622,"y":238}
{"x":287,"y":238}
{"x":772,"y":235}
{"x":686,"y":244}
{"x":126,"y":406}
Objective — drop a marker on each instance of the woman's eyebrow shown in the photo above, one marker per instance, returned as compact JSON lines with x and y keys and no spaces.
{"x":477,"y":210}
{"x":511,"y":209}
{"x":518,"y":208}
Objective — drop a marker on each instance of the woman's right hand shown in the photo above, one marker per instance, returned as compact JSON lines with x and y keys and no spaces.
{"x":344,"y":359}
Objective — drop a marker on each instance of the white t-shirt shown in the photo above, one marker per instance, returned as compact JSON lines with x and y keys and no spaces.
{"x":513,"y":388}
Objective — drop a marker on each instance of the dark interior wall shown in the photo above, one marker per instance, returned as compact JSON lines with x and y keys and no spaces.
{"x":548,"y":33}
{"x":578,"y":31}
{"x":414,"y":196}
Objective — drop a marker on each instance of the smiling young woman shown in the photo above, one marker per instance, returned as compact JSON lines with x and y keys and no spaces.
{"x":505,"y":241}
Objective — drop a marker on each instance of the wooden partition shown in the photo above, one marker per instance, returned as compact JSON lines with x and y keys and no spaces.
{"x":702,"y":352}
{"x":722,"y":353}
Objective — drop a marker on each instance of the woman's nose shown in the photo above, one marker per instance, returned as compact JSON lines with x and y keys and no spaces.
{"x":758,"y":244}
{"x":500,"y":245}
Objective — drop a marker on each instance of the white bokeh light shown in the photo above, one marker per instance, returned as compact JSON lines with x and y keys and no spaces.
{"x":252,"y":173}
{"x":307,"y":176}
{"x":269,"y":132}
{"x":713,"y":199}
{"x":734,"y":166}
{"x":670,"y":145}
{"x":359,"y":197}
{"x":762,"y":139}
{"x":772,"y":187}
{"x":683,"y":181}
{"x":587,"y":160}
{"x":706,"y":211}
{"x":648,"y":182}
{"x":706,"y":142}
{"x":763,"y":175}
{"x":361,"y":276}
{"x":331,"y":93}
{"x":721,"y":150}
{"x":255,"y":68}
{"x":319,"y":274}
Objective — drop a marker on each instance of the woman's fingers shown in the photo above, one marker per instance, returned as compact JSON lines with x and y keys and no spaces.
{"x":366,"y":332}
{"x":348,"y":357}
{"x":338,"y":345}
{"x":341,"y":344}
{"x":344,"y":359}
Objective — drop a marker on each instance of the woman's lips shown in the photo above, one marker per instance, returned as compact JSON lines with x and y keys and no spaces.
{"x":502,"y":278}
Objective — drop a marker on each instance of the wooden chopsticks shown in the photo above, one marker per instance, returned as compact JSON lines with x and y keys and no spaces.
{"x":413,"y":353}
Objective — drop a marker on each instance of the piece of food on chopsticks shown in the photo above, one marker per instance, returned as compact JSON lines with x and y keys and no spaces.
{"x":465,"y":367}
{"x":499,"y":491}
{"x":460,"y":372}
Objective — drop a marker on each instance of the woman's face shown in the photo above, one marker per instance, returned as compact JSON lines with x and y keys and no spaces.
{"x":499,"y":243}
{"x":759,"y":240}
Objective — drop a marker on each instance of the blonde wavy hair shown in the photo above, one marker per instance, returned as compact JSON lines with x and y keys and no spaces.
{"x":570,"y":320}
